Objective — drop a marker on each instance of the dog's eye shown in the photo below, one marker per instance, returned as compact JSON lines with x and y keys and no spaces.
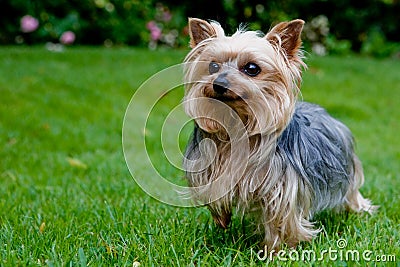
{"x":251,"y":69}
{"x":213,"y":67}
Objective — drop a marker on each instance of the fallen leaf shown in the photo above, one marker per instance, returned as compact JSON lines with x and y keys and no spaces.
{"x":76,"y":163}
{"x":42,"y":227}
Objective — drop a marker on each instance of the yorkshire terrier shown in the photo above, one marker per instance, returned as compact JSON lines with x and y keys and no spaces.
{"x":256,"y":148}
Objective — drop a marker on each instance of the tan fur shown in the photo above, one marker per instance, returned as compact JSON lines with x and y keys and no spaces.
{"x":354,"y":200}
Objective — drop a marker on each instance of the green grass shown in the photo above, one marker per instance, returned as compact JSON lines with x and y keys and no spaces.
{"x":55,"y":211}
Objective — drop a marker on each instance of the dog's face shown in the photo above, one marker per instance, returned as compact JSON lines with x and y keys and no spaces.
{"x":255,"y":76}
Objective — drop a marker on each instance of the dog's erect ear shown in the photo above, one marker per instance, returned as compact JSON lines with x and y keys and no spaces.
{"x":200,"y":30}
{"x":287,"y":35}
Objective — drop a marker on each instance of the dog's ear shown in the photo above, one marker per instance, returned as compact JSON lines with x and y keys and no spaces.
{"x":287,"y":35}
{"x":200,"y":30}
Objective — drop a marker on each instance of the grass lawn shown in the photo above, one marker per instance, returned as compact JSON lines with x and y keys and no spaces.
{"x":67,"y":197}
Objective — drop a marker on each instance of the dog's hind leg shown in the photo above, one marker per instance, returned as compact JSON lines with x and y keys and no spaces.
{"x":354,"y":200}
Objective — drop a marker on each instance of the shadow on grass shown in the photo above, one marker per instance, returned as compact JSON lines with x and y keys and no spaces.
{"x":241,"y":233}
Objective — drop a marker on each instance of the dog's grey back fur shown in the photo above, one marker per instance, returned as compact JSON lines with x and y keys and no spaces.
{"x":320,"y":149}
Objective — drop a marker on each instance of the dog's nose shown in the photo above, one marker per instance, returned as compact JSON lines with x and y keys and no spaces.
{"x":221,"y":84}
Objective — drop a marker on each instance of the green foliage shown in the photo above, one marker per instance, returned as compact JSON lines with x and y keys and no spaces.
{"x":362,"y":24}
{"x":94,"y":21}
{"x":377,"y":45}
{"x":337,"y":47}
{"x":67,"y":198}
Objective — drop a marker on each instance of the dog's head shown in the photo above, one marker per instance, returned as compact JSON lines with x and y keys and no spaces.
{"x":257,"y":76}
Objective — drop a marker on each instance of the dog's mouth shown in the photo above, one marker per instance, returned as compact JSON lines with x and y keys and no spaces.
{"x":228,"y":96}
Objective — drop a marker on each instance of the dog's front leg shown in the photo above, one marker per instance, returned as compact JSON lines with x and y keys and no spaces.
{"x":221,"y":214}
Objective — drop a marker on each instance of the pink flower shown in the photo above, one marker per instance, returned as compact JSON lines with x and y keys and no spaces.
{"x":155,"y":34}
{"x":151,"y":24}
{"x":67,"y":38}
{"x":155,"y":31}
{"x":29,"y":24}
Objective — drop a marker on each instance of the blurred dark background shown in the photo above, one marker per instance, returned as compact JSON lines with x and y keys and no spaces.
{"x":370,"y":26}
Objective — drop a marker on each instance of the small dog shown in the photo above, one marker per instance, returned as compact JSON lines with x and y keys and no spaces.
{"x":254,"y":147}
